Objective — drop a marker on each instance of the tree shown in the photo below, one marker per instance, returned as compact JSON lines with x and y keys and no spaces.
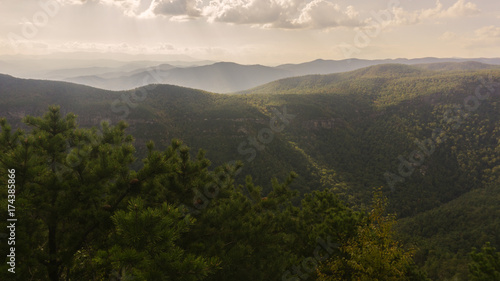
{"x":321,"y":224}
{"x":246,"y":230}
{"x":70,"y":181}
{"x":485,"y":265}
{"x":74,"y":224}
{"x":182,"y":220}
{"x":372,"y":254}
{"x":143,"y":246}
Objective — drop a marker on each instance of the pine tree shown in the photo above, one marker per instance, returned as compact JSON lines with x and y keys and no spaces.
{"x":143,"y":246}
{"x":246,"y":230}
{"x":70,"y":182}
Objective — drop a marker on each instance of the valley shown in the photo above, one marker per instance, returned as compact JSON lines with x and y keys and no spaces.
{"x":428,"y":135}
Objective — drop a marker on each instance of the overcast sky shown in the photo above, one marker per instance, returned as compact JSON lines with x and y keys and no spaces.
{"x":254,"y":31}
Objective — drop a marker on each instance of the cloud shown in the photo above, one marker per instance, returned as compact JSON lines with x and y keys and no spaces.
{"x":176,"y":8}
{"x":488,"y":32}
{"x":166,"y":47}
{"x":247,"y":11}
{"x":484,"y":37}
{"x":448,"y":36}
{"x":286,"y":14}
{"x":324,"y":14}
{"x":460,"y":9}
{"x":132,"y":8}
{"x":72,"y":2}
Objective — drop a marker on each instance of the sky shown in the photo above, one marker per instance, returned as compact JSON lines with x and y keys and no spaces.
{"x":267,"y":32}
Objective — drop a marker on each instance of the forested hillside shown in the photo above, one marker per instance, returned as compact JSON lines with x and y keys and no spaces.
{"x":428,"y":136}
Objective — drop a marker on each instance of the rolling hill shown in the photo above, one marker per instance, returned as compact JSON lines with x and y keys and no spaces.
{"x":225,"y":77}
{"x":429,"y":134}
{"x":220,"y":77}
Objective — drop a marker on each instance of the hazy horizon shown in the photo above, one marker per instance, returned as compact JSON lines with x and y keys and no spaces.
{"x":184,"y":59}
{"x":251,"y":32}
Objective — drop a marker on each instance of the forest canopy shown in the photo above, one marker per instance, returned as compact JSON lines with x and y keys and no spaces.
{"x":84,"y":214}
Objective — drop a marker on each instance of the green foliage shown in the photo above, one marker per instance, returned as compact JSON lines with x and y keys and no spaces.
{"x":143,"y":246}
{"x":66,"y":176}
{"x":372,"y":254}
{"x":173,"y":175}
{"x":349,"y":129}
{"x":323,"y":215}
{"x":73,"y":220}
{"x":247,"y":231}
{"x":485,"y":264}
{"x":446,"y":234}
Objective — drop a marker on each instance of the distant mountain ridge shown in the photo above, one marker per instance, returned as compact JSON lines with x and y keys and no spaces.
{"x":219,"y":77}
{"x":227,"y":77}
{"x":324,"y":83}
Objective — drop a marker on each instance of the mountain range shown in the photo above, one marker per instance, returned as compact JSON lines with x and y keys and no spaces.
{"x":220,"y":77}
{"x":428,"y":133}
